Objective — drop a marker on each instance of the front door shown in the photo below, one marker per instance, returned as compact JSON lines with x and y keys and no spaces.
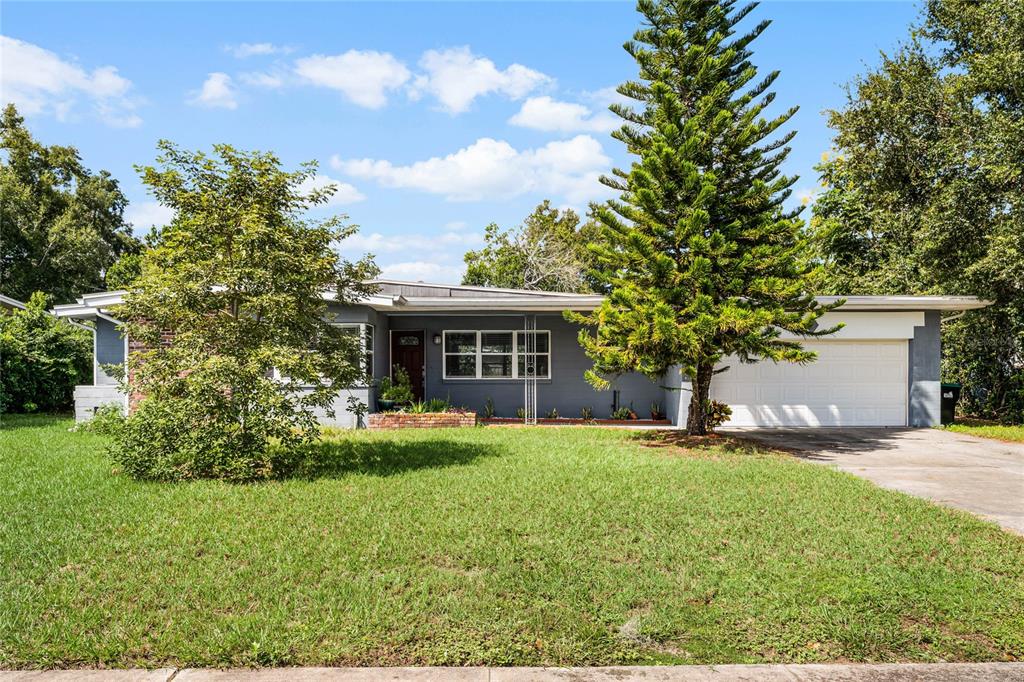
{"x":407,"y":352}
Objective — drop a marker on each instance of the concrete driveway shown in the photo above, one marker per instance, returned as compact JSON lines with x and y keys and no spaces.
{"x":983,"y":476}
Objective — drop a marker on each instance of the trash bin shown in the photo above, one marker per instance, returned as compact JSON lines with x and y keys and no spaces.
{"x":950,"y":394}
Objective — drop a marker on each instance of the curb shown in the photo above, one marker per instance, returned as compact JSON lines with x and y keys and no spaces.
{"x":883,"y":672}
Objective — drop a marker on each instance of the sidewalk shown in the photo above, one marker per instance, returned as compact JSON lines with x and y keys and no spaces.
{"x":932,"y":672}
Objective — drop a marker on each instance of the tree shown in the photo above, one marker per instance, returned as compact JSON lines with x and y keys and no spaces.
{"x":548,"y":252}
{"x":923,"y":192}
{"x":63,"y":226}
{"x":42,"y":358}
{"x":238,"y":351}
{"x":701,"y":260}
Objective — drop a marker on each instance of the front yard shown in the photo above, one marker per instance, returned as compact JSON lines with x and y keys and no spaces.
{"x":987,"y":429}
{"x":489,"y":545}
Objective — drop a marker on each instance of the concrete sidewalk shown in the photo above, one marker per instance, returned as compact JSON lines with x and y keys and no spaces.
{"x":932,"y":672}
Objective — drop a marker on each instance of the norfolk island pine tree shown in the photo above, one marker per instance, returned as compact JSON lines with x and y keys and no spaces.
{"x":701,"y":260}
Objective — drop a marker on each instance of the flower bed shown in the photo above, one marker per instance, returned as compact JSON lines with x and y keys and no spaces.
{"x":565,"y":421}
{"x":425,"y":420}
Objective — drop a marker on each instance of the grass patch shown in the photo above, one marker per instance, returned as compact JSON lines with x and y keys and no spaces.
{"x":987,"y":429}
{"x":490,"y":546}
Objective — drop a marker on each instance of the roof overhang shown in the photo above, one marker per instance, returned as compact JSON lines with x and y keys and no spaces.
{"x":895,"y":303}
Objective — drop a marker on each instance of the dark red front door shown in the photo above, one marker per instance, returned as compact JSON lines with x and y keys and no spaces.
{"x":407,"y":352}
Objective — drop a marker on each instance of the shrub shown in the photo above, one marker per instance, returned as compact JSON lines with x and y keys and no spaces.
{"x":397,"y":388}
{"x":42,"y":358}
{"x":488,"y":408}
{"x":624,"y":413}
{"x":716,"y":414}
{"x":107,"y":420}
{"x":553,"y":414}
{"x":587,"y":414}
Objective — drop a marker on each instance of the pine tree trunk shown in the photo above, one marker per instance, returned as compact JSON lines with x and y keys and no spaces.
{"x":695,"y":420}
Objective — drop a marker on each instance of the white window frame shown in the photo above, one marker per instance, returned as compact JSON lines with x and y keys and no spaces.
{"x":366,"y":331}
{"x":516,"y":333}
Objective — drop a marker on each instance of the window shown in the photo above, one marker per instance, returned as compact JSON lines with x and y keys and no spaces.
{"x":496,"y":354}
{"x":365,"y":335}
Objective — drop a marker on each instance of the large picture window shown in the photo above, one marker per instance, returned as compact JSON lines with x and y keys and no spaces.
{"x":496,"y":354}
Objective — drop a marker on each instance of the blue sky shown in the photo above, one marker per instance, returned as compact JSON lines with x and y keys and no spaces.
{"x":434,"y":118}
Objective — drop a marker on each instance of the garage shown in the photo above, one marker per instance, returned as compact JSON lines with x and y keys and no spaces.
{"x":852,"y":383}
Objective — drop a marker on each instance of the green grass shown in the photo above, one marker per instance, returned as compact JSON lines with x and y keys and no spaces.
{"x":987,"y":429}
{"x":489,"y":546}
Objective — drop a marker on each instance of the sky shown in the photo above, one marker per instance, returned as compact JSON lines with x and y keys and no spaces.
{"x":432,"y":119}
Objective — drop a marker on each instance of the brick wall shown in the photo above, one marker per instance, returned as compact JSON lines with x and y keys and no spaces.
{"x":134,"y":345}
{"x":430,"y":420}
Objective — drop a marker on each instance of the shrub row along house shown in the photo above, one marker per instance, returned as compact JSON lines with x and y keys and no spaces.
{"x":472,"y":345}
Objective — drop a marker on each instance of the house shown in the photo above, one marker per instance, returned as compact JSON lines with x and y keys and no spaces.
{"x":470,"y":344}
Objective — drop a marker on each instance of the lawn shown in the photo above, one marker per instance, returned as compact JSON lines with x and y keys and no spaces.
{"x":987,"y":429}
{"x":489,"y":546}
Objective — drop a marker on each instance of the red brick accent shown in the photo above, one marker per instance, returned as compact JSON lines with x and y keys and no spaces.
{"x":134,"y":346}
{"x":429,"y":420}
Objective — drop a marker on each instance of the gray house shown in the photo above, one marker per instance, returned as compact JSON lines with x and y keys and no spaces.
{"x":470,"y":344}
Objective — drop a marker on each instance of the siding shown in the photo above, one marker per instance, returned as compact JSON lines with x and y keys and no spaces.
{"x":924,"y":380}
{"x":109,"y":351}
{"x":566,"y":391}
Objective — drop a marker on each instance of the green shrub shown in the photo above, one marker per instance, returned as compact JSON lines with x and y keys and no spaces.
{"x":553,"y":414}
{"x":107,"y":420}
{"x":488,"y":408}
{"x":587,"y":414}
{"x":624,"y":413}
{"x":716,"y":414}
{"x":42,"y":358}
{"x":397,"y":387}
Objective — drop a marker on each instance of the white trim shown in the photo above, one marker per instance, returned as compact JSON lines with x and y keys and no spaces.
{"x":478,"y":354}
{"x":13,"y":302}
{"x":363,"y":335}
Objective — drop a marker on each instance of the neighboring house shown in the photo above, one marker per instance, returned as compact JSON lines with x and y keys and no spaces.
{"x":468,"y":344}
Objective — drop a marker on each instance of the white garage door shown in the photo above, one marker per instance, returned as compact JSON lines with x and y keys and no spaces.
{"x":852,"y":383}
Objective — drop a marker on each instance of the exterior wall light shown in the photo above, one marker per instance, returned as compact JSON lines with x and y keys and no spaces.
{"x":437,"y":339}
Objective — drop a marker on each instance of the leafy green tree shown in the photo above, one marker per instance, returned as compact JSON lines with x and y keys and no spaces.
{"x":62,"y":225}
{"x":42,"y":358}
{"x":238,"y":350}
{"x":548,"y":252}
{"x":923,"y":192}
{"x":701,"y":260}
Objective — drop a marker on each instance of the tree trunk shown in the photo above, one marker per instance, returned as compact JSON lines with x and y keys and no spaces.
{"x":696,"y":423}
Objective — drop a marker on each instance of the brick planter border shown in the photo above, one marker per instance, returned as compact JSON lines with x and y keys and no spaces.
{"x":429,"y":420}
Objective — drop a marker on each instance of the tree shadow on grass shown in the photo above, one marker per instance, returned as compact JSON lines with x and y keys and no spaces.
{"x":340,"y":458}
{"x":711,"y":444}
{"x":11,"y":421}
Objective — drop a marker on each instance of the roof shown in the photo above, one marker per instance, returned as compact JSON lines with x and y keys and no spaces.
{"x":396,"y":296}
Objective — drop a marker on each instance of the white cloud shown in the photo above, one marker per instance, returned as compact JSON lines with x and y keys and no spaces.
{"x":243,"y":50}
{"x":146,"y":214}
{"x":493,"y":169}
{"x":375,"y":242}
{"x":262,"y":79}
{"x":38,"y":81}
{"x":218,"y":92}
{"x":344,"y":193}
{"x":364,"y":77}
{"x":807,"y":195}
{"x":456,"y":225}
{"x":425,"y":271}
{"x":456,"y":77}
{"x":544,"y":113}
